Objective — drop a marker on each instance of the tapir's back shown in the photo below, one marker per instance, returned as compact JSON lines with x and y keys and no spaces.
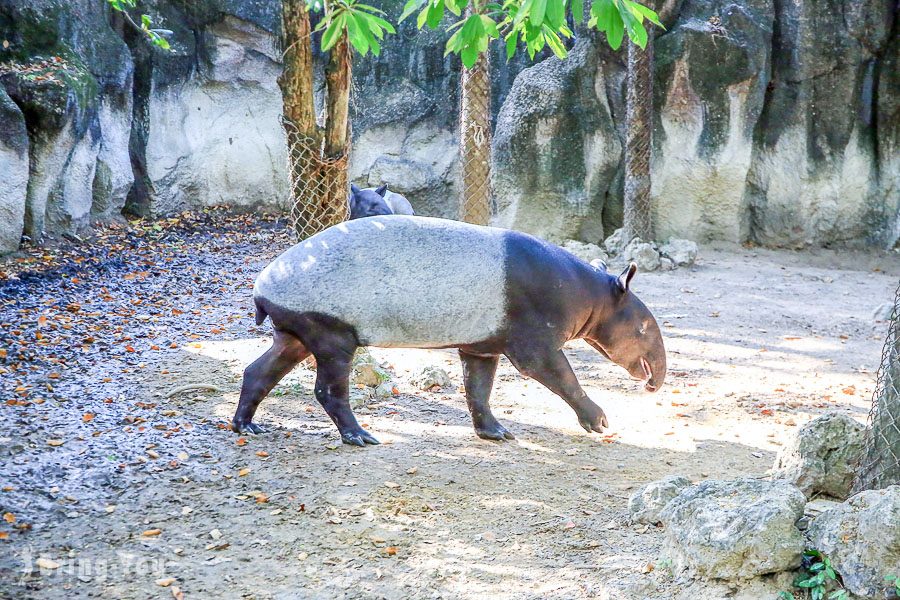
{"x":398,"y":280}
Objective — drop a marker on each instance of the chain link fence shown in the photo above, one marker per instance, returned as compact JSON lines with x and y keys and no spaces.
{"x":319,"y":186}
{"x":475,"y":142}
{"x":880,"y":464}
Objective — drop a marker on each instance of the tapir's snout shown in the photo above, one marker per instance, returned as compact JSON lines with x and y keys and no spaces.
{"x":655,"y":369}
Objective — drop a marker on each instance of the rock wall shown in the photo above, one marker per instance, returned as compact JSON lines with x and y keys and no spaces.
{"x":778,"y":122}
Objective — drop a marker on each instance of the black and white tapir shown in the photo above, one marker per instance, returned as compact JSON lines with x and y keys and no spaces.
{"x":418,"y":282}
{"x":373,"y":202}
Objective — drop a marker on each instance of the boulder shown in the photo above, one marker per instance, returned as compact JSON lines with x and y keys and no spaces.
{"x":643,"y":254}
{"x":14,"y":167}
{"x":615,"y":243}
{"x":734,"y":530}
{"x":556,"y":152}
{"x":430,"y":377}
{"x":584,"y":251}
{"x":367,"y":371}
{"x":682,"y":253}
{"x":646,"y":503}
{"x":862,"y":538}
{"x":823,"y":456}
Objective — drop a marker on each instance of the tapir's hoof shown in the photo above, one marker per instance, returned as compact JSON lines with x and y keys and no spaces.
{"x":598,"y":423}
{"x":359,"y":437}
{"x":497,"y":432}
{"x":246,"y":428}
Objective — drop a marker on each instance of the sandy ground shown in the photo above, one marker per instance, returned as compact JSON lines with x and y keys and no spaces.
{"x":115,"y":490}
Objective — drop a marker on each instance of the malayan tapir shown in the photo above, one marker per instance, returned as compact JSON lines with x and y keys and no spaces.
{"x":372,"y":202}
{"x":419,"y":282}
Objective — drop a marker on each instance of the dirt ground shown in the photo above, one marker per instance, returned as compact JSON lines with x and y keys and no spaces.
{"x":111,"y":488}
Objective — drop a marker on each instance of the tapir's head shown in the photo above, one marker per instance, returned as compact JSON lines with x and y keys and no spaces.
{"x":368,"y":203}
{"x":629,"y":335}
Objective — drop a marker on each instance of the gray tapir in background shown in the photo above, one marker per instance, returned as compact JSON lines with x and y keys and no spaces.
{"x":418,"y":282}
{"x":372,"y":202}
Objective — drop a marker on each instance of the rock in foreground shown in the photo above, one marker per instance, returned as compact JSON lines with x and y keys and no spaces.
{"x":823,"y":456}
{"x":862,"y":539}
{"x":646,"y":503}
{"x":735,"y":530}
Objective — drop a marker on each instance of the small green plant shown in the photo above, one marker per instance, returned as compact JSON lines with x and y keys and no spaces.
{"x":893,"y":583}
{"x":819,"y":580}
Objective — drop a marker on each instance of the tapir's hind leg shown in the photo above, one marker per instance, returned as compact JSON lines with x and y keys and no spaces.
{"x":552,"y":370}
{"x":478,"y":374}
{"x":262,"y":375}
{"x":333,"y":393}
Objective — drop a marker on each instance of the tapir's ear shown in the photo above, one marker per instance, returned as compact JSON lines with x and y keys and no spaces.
{"x":599,"y":264}
{"x":354,"y":189}
{"x":624,"y":280}
{"x":381,"y":191}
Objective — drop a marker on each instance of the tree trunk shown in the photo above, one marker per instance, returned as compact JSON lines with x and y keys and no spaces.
{"x":475,"y":142}
{"x":638,"y":218}
{"x":337,"y":80}
{"x":296,"y":81}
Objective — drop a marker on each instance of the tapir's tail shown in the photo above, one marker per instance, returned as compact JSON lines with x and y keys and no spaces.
{"x":261,"y":313}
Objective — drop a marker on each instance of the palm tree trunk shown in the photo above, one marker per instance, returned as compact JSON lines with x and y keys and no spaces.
{"x":475,"y":141}
{"x":296,"y":81}
{"x":638,"y":218}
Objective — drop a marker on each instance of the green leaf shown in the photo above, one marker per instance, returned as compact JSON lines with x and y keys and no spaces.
{"x":523,"y":11}
{"x":145,"y":21}
{"x":633,"y":26}
{"x":469,"y":56}
{"x":555,"y":44}
{"x":604,"y":13}
{"x":578,"y":11}
{"x":382,"y":23}
{"x":435,"y":14}
{"x":646,"y":12}
{"x":511,"y":45}
{"x":423,"y":16}
{"x":357,"y":37}
{"x":556,"y":13}
{"x":616,"y":32}
{"x":410,"y":8}
{"x":536,"y":14}
{"x":333,"y":31}
{"x":489,"y":26}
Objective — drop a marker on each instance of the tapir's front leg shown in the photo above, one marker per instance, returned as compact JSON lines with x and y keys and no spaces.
{"x":478,"y":375}
{"x":333,"y":393}
{"x":552,"y":369}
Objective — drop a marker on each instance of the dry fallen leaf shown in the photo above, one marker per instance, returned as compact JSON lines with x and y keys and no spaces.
{"x":3,"y":535}
{"x":391,"y":550}
{"x":243,"y":472}
{"x":9,"y":517}
{"x":241,"y":441}
{"x":55,"y":442}
{"x":262,"y":453}
{"x":87,"y":418}
{"x":391,"y":484}
{"x":165,"y":582}
{"x":151,"y":532}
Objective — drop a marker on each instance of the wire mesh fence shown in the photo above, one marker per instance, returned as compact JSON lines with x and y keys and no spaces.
{"x":319,"y":187}
{"x":880,"y":464}
{"x":475,"y":142}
